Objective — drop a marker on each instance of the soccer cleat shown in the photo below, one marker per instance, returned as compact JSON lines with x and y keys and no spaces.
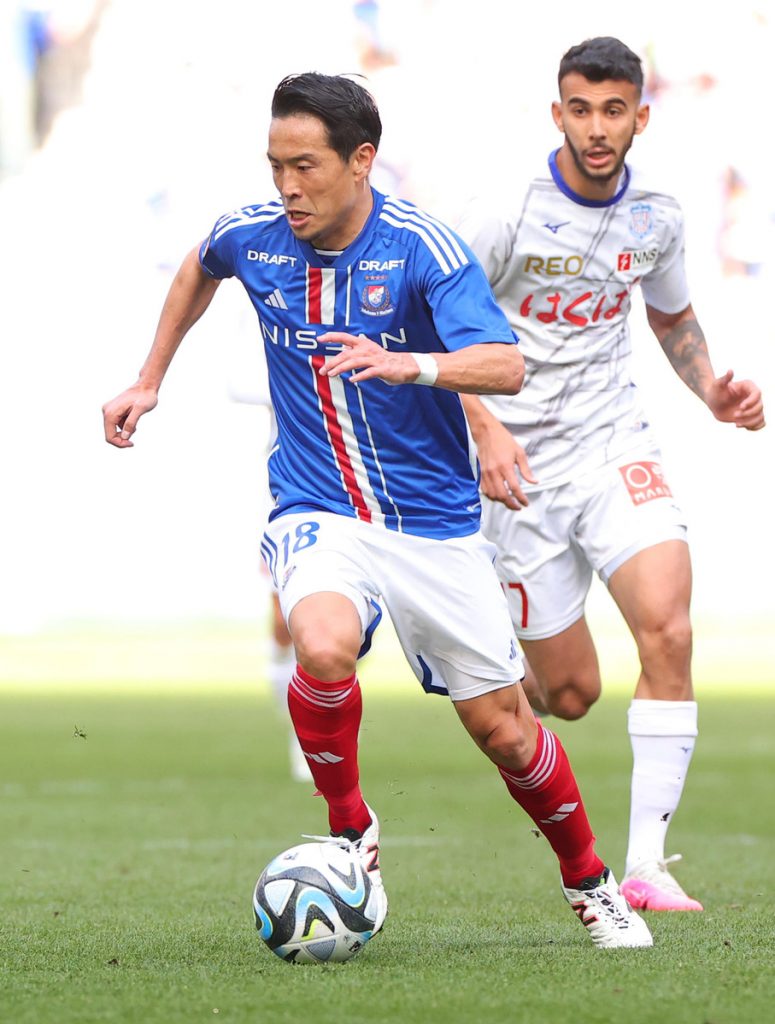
{"x":650,"y":886}
{"x":367,"y":846}
{"x":606,"y":914}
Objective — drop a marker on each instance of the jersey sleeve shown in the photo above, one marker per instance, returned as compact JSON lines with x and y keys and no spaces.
{"x":666,"y":287}
{"x":463,"y":306}
{"x":490,"y":236}
{"x":216,"y":253}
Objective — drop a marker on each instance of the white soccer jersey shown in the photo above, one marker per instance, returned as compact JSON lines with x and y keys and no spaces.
{"x":563,"y":269}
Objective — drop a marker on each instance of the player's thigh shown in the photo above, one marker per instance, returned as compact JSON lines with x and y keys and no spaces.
{"x":313,"y":557}
{"x":545,"y":576}
{"x":327,"y":633}
{"x":449,"y":613}
{"x":653,"y":591}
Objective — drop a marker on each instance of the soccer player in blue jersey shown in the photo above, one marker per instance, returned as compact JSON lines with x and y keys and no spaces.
{"x":374,"y":317}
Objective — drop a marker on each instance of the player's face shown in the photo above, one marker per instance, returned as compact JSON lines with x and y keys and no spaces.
{"x":599,"y":121}
{"x":327,"y":200}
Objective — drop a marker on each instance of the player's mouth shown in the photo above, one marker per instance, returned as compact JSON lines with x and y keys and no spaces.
{"x":599,"y":157}
{"x":298,"y":218}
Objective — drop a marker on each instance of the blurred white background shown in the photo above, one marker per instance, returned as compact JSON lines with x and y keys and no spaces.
{"x":168,"y":130}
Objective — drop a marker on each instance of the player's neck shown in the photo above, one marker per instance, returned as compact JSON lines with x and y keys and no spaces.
{"x":348,"y":230}
{"x":587,"y":188}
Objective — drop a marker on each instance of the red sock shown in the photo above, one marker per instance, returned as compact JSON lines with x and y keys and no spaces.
{"x":547,"y":791}
{"x":327,"y":717}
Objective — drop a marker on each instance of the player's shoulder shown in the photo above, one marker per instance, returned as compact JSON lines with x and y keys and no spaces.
{"x":502,"y":209}
{"x":408,"y":226}
{"x":652,"y":185}
{"x":254,"y":219}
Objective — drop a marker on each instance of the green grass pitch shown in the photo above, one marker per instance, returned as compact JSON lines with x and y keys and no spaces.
{"x":133,"y":826}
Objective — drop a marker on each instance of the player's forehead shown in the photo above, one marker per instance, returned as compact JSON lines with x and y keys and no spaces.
{"x":576,"y":87}
{"x":297,"y":136}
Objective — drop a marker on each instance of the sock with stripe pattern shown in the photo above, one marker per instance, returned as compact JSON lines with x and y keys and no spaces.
{"x":547,"y":791}
{"x":327,"y":717}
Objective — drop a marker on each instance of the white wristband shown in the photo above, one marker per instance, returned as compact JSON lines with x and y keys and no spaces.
{"x":429,"y":368}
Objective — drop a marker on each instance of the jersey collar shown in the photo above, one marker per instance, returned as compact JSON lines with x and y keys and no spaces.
{"x":582,"y":200}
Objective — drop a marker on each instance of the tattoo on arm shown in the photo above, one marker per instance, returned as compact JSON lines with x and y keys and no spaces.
{"x":685,"y":347}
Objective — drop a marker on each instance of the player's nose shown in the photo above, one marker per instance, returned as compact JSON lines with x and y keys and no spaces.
{"x":289,"y":184}
{"x":597,"y":128}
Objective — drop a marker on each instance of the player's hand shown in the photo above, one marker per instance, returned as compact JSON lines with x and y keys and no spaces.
{"x":368,"y":360}
{"x":120,"y":415}
{"x":736,"y":401}
{"x":500,"y":457}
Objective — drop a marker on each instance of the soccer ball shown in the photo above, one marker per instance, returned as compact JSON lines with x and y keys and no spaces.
{"x":315,"y":904}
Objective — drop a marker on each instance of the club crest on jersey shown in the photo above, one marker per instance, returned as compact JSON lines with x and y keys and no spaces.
{"x":641,"y":221}
{"x":376,"y":300}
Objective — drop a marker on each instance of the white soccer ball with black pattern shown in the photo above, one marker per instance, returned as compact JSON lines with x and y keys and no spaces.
{"x":315,"y":904}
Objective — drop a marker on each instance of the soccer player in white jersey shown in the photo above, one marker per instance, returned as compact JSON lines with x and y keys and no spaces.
{"x":375,"y":489}
{"x":563,"y":258}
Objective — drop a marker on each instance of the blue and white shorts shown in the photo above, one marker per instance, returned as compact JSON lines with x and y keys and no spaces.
{"x":443,"y":596}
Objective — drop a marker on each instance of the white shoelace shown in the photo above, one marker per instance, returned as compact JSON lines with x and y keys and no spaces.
{"x":336,"y":840}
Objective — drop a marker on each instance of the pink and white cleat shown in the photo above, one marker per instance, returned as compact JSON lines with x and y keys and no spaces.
{"x":650,"y":886}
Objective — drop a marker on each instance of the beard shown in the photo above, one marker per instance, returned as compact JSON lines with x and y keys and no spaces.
{"x":599,"y":176}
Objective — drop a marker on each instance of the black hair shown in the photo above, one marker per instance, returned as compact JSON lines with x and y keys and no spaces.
{"x":346,"y":109}
{"x":601,"y":59}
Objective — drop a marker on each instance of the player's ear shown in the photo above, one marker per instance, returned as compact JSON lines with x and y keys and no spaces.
{"x":642,"y":118}
{"x":362,"y":160}
{"x":557,"y":115}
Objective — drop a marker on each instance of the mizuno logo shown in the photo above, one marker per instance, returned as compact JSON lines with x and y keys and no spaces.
{"x":276,"y":299}
{"x":554,"y":228}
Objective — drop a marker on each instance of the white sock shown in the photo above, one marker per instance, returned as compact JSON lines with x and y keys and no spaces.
{"x":281,"y":666}
{"x":662,"y":734}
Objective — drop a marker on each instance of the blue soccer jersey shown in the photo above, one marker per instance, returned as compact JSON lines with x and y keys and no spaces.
{"x":396,"y":456}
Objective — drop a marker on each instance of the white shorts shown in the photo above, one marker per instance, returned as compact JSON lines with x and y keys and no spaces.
{"x":442,"y":596}
{"x":548,"y":551}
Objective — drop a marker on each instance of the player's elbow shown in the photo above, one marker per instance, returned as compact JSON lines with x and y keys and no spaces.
{"x":513,"y":372}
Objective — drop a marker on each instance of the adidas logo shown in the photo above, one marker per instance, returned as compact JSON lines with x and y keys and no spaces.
{"x":276,"y":299}
{"x":324,"y":757}
{"x":560,"y":814}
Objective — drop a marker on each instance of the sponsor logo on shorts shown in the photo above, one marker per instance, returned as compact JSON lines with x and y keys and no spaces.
{"x":645,"y":482}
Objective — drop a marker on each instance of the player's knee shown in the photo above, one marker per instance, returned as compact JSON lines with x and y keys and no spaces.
{"x":667,"y":641}
{"x":572,"y":702}
{"x":325,"y":658}
{"x":508,"y":743}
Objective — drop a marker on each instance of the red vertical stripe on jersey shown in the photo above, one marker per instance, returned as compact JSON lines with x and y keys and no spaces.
{"x":314,"y":291}
{"x":337,"y":440}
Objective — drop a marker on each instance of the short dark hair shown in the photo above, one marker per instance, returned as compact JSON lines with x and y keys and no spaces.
{"x":601,"y":59}
{"x":346,"y":109}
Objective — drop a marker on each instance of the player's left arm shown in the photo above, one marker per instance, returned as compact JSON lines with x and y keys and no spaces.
{"x":483,"y":369}
{"x":683,"y":342}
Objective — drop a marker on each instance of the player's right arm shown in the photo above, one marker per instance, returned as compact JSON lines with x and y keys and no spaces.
{"x":682,"y":340}
{"x":500,"y":455}
{"x":189,"y":296}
